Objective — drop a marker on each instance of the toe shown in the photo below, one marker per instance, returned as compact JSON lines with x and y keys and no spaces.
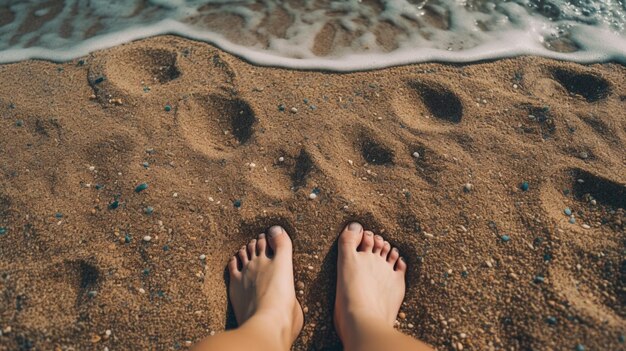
{"x":279,"y":240}
{"x":385,"y":250}
{"x":393,"y":256}
{"x":379,"y":242}
{"x":367,"y":243}
{"x":234,"y":271}
{"x":243,"y":255}
{"x":261,"y":245}
{"x":252,"y":249}
{"x":350,"y":238}
{"x":401,"y":265}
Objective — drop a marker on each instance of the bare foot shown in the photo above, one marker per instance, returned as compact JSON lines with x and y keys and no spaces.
{"x":264,"y":284}
{"x":370,"y":281}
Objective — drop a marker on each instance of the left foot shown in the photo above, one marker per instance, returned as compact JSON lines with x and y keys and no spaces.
{"x":264,"y":284}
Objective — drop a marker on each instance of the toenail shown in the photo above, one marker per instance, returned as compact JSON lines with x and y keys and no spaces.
{"x":379,"y":237}
{"x":369,"y":233}
{"x":394,"y":249}
{"x":275,"y":230}
{"x":262,"y":236}
{"x":355,"y":227}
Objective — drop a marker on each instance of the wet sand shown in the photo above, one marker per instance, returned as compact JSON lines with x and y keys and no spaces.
{"x":469,"y":169}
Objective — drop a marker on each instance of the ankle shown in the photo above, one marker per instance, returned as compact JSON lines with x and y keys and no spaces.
{"x":276,"y":326}
{"x":359,"y":326}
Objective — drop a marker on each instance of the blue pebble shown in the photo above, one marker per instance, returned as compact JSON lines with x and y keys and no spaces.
{"x":572,"y":220}
{"x":141,"y":187}
{"x":621,"y":338}
{"x":168,"y":108}
{"x":19,"y":123}
{"x":145,"y":164}
{"x":113,"y":205}
{"x":551,"y":320}
{"x":237,"y":203}
{"x":149,"y":210}
{"x":568,"y":211}
{"x":281,"y":107}
{"x":306,"y":101}
{"x":58,"y":215}
{"x":525,"y":186}
{"x":505,"y":238}
{"x":146,"y":271}
{"x":127,"y":239}
{"x":99,"y":80}
{"x":316,"y":191}
{"x":539,"y":279}
{"x":547,"y":257}
{"x":3,"y":230}
{"x":313,"y":107}
{"x":99,"y":186}
{"x":81,"y":62}
{"x":166,"y":248}
{"x":580,"y":347}
{"x":464,"y":274}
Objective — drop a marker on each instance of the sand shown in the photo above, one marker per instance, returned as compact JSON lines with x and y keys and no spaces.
{"x":491,"y":266}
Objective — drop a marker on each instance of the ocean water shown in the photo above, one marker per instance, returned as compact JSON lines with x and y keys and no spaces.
{"x":339,"y":35}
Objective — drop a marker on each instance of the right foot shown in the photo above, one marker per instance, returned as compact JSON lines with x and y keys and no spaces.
{"x":261,"y":283}
{"x":370,"y":280}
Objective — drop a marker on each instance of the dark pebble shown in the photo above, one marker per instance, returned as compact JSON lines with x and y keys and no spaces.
{"x":3,"y":230}
{"x":141,"y":187}
{"x":539,"y":279}
{"x":237,"y":203}
{"x":621,"y":338}
{"x":166,"y":248}
{"x":58,"y":215}
{"x":547,"y":257}
{"x":146,"y":271}
{"x":145,"y":164}
{"x":99,"y":80}
{"x":580,"y":347}
{"x":316,"y":191}
{"x":524,"y":186}
{"x":113,"y":205}
{"x":281,"y":107}
{"x":149,"y":210}
{"x":99,"y":186}
{"x":19,"y":123}
{"x":127,"y":239}
{"x":551,"y":320}
{"x":168,"y":108}
{"x":81,"y":62}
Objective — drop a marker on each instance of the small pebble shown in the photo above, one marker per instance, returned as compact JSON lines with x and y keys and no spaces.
{"x":586,"y":226}
{"x":294,"y":110}
{"x":113,"y":205}
{"x":141,"y":187}
{"x":524,"y":186}
{"x":568,"y":211}
{"x":505,"y":238}
{"x":99,"y":80}
{"x":593,"y":202}
{"x":3,"y":230}
{"x":402,"y":315}
{"x":468,"y":187}
{"x":416,"y":154}
{"x":168,"y":108}
{"x":92,"y":293}
{"x":584,"y":155}
{"x":237,"y":203}
{"x":551,"y":320}
{"x":147,"y":238}
{"x":312,"y":196}
{"x":580,"y":347}
{"x":572,"y":220}
{"x":203,"y":257}
{"x":149,"y":210}
{"x":281,"y":107}
{"x":142,"y":291}
{"x":19,"y":123}
{"x":281,"y":159}
{"x":410,"y":326}
{"x":300,"y":285}
{"x":127,"y":238}
{"x":539,"y":279}
{"x":146,"y":164}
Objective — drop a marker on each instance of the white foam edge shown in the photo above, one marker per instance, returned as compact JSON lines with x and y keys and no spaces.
{"x":511,"y":44}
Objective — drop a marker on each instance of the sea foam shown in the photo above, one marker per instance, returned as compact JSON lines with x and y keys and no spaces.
{"x":340,"y":35}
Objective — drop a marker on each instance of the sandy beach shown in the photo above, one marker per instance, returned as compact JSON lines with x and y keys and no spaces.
{"x":129,"y":177}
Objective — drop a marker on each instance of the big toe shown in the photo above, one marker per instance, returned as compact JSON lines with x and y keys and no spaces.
{"x":350,"y":238}
{"x":279,"y":240}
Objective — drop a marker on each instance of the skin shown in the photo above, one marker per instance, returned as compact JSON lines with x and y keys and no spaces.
{"x":370,"y":290}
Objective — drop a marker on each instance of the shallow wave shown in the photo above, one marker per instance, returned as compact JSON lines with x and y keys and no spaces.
{"x":344,"y":35}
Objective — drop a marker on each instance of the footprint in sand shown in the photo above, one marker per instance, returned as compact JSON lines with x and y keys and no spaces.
{"x":424,"y":99}
{"x":590,"y":86}
{"x":215,"y":125}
